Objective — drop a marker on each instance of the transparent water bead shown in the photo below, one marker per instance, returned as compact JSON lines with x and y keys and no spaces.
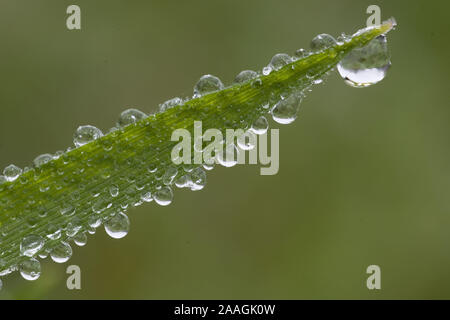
{"x":30,"y":269}
{"x":245,"y":76}
{"x":31,"y":244}
{"x":163,"y":196}
{"x":228,"y":156}
{"x":198,"y":179}
{"x":279,"y":60}
{"x":61,"y":253}
{"x":366,"y":66}
{"x":80,"y":239}
{"x":117,"y":226}
{"x":260,"y":125}
{"x":130,"y":116}
{"x":42,"y":159}
{"x":170,"y":104}
{"x":322,"y":42}
{"x":12,"y":172}
{"x":247,"y":141}
{"x":86,"y":134}
{"x":207,"y":83}
{"x":301,"y":53}
{"x":285,"y":111}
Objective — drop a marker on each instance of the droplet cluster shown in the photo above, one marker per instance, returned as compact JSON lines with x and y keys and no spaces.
{"x":94,"y":184}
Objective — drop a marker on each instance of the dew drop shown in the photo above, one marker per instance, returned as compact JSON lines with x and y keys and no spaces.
{"x":53,"y":232}
{"x":301,"y":53}
{"x":12,"y":172}
{"x":207,"y":83}
{"x":130,"y":116}
{"x":42,"y":159}
{"x":228,"y":156}
{"x":80,"y":239}
{"x":147,"y":196}
{"x":285,"y":111}
{"x":117,"y":226}
{"x":86,"y":134}
{"x":322,"y":42}
{"x":31,"y":244}
{"x":245,"y":76}
{"x":114,"y":191}
{"x":280,"y":60}
{"x":366,"y":66}
{"x":61,"y":253}
{"x":247,"y":141}
{"x":30,"y":269}
{"x":260,"y":126}
{"x":198,"y":179}
{"x":170,"y":104}
{"x":163,"y":196}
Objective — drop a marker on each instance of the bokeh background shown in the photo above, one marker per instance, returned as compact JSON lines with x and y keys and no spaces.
{"x":364,"y":173}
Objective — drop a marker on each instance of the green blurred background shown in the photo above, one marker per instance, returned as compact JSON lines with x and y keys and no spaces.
{"x":364,"y":173}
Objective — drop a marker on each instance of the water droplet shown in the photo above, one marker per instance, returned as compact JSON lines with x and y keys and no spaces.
{"x":53,"y":232}
{"x":228,"y":156}
{"x":365,"y":66}
{"x":280,"y":60}
{"x":147,"y":196}
{"x":42,"y":159}
{"x":12,"y":172}
{"x":322,"y":42}
{"x":80,"y":239}
{"x":31,"y":244}
{"x":163,"y":196}
{"x":86,"y":134}
{"x":61,"y":253}
{"x":207,"y":83}
{"x":73,"y":227}
{"x":67,"y":209}
{"x":301,"y":53}
{"x":260,"y":126}
{"x":198,"y":179}
{"x":245,"y":76}
{"x":247,"y":141}
{"x":94,"y":221}
{"x":170,"y":104}
{"x":114,"y":191}
{"x":266,"y":70}
{"x":130,"y":116}
{"x":285,"y":111}
{"x":117,"y":226}
{"x":30,"y":269}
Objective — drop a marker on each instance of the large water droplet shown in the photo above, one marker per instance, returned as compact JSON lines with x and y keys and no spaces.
{"x":322,"y":42}
{"x":365,"y":66}
{"x":280,"y":60}
{"x":247,"y":141}
{"x":163,"y":196}
{"x":285,"y":111}
{"x":30,"y":269}
{"x":228,"y":156}
{"x":117,"y":226}
{"x":61,"y":253}
{"x":80,"y":239}
{"x":198,"y":179}
{"x":245,"y":76}
{"x":86,"y":134}
{"x":130,"y":116}
{"x":12,"y":172}
{"x":207,"y":83}
{"x":31,"y":244}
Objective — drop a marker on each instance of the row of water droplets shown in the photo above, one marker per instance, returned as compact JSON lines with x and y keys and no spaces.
{"x":360,"y":68}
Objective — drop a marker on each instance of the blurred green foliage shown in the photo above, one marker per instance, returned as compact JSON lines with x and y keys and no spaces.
{"x":364,"y":173}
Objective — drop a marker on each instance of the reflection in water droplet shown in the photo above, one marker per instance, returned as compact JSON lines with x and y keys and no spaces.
{"x":260,"y":126}
{"x":207,"y":83}
{"x":170,"y":104}
{"x":322,"y":42}
{"x":117,"y":226}
{"x":245,"y":76}
{"x":365,"y":66}
{"x":80,"y":239}
{"x":285,"y":111}
{"x":31,"y":244}
{"x":130,"y":116}
{"x":12,"y":172}
{"x":61,"y":253}
{"x":86,"y":134}
{"x":163,"y":196}
{"x":42,"y":159}
{"x":280,"y":60}
{"x":30,"y":269}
